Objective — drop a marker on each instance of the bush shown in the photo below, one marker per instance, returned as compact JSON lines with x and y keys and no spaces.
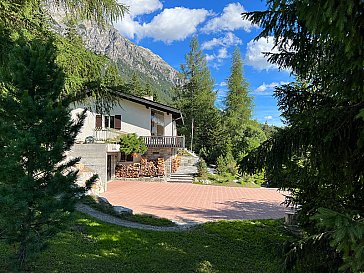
{"x":202,"y":169}
{"x":226,"y":165}
{"x":132,"y":144}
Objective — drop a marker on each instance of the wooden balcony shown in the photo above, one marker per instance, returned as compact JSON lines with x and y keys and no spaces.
{"x":110,"y":135}
{"x":164,"y":141}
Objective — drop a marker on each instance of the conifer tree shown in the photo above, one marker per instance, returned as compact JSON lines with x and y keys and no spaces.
{"x":319,"y":155}
{"x":136,"y":86}
{"x":238,"y":103}
{"x":196,"y":98}
{"x":237,"y":119}
{"x":37,"y":182}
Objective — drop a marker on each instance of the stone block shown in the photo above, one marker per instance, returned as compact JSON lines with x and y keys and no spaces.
{"x":121,"y":209}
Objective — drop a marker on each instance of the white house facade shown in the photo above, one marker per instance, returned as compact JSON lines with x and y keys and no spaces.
{"x":155,"y":123}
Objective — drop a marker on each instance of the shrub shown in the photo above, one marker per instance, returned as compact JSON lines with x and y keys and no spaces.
{"x":220,"y":165}
{"x":226,"y":164}
{"x":202,"y":169}
{"x":132,"y":144}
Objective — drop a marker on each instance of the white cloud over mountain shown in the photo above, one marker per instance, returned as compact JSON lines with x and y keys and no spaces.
{"x":141,"y":7}
{"x":174,"y":24}
{"x":229,"y":20}
{"x":170,"y":25}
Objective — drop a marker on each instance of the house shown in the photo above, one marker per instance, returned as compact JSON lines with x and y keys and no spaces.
{"x":154,"y":122}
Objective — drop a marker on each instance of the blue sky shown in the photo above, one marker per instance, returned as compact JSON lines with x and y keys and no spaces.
{"x":166,"y":28}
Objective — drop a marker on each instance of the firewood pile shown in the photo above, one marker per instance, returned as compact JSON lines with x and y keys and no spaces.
{"x":176,"y":162}
{"x":150,"y":168}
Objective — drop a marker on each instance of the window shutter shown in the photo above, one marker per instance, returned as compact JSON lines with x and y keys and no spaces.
{"x":98,"y":124}
{"x":117,"y":122}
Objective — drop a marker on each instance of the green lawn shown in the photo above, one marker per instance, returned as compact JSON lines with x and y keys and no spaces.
{"x":227,"y":246}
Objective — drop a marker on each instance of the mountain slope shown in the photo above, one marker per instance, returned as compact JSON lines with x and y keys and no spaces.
{"x":129,"y":57}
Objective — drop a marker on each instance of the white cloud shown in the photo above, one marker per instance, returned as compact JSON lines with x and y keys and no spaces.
{"x":217,"y":58}
{"x":230,"y":39}
{"x":268,"y":117}
{"x":255,"y":53}
{"x":140,"y":7}
{"x":128,"y":26}
{"x":229,"y":20}
{"x":174,"y":24}
{"x":210,"y":58}
{"x":170,"y":25}
{"x":266,"y":89}
{"x":223,"y":84}
{"x":222,"y":54}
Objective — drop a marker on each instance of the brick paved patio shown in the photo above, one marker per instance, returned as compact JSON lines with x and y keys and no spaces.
{"x":183,"y":202}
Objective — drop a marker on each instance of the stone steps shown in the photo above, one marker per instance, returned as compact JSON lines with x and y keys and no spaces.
{"x":186,"y":171}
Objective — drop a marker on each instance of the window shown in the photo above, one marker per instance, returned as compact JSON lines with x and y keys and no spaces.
{"x":157,"y":123}
{"x":124,"y":157}
{"x":112,"y":122}
{"x":98,"y":124}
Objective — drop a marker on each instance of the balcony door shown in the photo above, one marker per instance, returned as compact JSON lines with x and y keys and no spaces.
{"x":157,"y":123}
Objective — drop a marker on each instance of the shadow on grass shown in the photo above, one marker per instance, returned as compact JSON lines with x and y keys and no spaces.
{"x":237,"y":246}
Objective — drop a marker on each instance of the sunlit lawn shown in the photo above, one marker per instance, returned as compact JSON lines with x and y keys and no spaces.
{"x":227,"y":246}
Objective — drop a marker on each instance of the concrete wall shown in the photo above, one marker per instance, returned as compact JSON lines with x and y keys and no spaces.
{"x":94,"y":157}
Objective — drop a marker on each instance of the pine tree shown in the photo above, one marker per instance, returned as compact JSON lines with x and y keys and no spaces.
{"x":319,"y":155}
{"x":237,"y":119}
{"x":37,"y":182}
{"x":196,"y":98}
{"x":136,"y":86}
{"x":238,"y":103}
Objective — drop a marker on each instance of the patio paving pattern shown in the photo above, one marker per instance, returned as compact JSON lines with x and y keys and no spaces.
{"x":188,"y":203}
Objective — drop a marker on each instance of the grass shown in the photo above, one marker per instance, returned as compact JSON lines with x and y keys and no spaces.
{"x":225,"y":246}
{"x":228,"y":180}
{"x":145,"y":219}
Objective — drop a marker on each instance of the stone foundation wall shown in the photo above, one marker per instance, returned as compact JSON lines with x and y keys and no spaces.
{"x":166,"y":153}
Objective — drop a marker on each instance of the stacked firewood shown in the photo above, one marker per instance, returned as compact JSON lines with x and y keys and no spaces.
{"x":149,"y":168}
{"x":176,"y":163}
{"x":160,"y":166}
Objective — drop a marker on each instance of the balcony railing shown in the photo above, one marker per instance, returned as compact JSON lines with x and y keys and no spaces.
{"x":104,"y":134}
{"x":151,"y":141}
{"x":164,"y":141}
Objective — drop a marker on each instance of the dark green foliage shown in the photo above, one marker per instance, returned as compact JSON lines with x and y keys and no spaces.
{"x":226,"y":164}
{"x":268,"y":130}
{"x":202,"y":169}
{"x":238,"y":102}
{"x":161,"y":89}
{"x":247,"y":138}
{"x":347,"y":233}
{"x":37,"y":182}
{"x":132,"y":144}
{"x":196,"y":100}
{"x":242,"y":132}
{"x":319,"y":155}
{"x":37,"y":84}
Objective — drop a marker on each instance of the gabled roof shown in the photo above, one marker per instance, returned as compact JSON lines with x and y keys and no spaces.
{"x":176,"y":114}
